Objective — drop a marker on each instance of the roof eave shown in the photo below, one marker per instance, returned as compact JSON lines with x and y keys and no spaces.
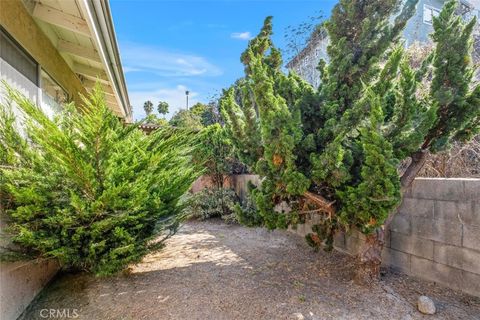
{"x":99,"y":13}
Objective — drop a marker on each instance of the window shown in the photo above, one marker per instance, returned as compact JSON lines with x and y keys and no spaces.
{"x":467,"y":11}
{"x":53,"y":95}
{"x":17,"y":68}
{"x":429,"y":12}
{"x":17,"y":58}
{"x":24,"y":74}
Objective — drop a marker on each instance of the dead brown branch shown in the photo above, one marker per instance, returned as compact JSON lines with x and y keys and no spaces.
{"x":323,"y":205}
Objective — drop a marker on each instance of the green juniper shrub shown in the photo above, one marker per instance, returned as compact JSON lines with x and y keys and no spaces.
{"x":246,"y":211}
{"x":87,"y":189}
{"x":213,"y":203}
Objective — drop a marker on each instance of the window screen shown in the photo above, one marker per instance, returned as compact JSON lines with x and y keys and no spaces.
{"x":15,"y":56}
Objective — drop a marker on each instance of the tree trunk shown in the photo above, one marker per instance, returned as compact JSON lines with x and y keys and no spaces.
{"x":370,"y":256}
{"x":418,"y":161}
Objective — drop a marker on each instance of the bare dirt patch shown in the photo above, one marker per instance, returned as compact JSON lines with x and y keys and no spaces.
{"x":210,"y":270}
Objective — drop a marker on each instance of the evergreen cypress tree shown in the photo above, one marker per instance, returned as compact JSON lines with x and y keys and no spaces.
{"x":339,"y":146}
{"x":279,"y":127}
{"x":458,"y":115}
{"x":86,"y":189}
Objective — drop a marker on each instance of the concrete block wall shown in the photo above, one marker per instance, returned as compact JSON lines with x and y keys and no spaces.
{"x":436,"y":234}
{"x":444,"y":216}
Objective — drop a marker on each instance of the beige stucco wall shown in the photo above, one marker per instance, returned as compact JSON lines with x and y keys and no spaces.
{"x":17,"y":21}
{"x":20,"y":282}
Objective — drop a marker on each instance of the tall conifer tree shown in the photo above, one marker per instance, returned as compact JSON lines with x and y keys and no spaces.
{"x":338,"y":147}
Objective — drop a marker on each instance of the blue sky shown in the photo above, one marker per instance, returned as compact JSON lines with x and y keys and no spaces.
{"x":168,"y":47}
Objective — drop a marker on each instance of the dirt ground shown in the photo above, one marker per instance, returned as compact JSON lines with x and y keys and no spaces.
{"x":210,"y":270}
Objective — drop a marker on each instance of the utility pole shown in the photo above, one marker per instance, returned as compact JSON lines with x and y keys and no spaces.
{"x":186,"y":93}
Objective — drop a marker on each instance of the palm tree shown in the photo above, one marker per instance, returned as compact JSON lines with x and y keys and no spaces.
{"x":148,"y":107}
{"x":162,"y":107}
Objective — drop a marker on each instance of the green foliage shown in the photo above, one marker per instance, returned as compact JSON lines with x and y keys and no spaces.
{"x":247,"y":214}
{"x":278,"y":129}
{"x":367,"y":204}
{"x":213,"y":203}
{"x":162,"y":107}
{"x":344,"y":140}
{"x":206,"y":112}
{"x":242,"y":124}
{"x":197,"y":117}
{"x":185,"y":119}
{"x":214,"y":152}
{"x":153,"y":119}
{"x":458,"y":115}
{"x":88,"y":190}
{"x":359,"y":35}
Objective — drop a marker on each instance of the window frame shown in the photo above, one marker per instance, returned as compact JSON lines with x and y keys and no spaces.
{"x":38,"y":68}
{"x":432,"y":10}
{"x":23,"y":52}
{"x":40,"y":86}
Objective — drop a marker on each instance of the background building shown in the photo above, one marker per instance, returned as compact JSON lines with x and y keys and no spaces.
{"x":417,"y":29}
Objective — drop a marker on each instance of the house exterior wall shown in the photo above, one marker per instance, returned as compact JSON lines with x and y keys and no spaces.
{"x":20,"y":282}
{"x":305,"y":64}
{"x":17,"y":21}
{"x":416,"y":29}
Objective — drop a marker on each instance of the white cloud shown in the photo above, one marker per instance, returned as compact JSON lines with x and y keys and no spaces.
{"x":175,"y":97}
{"x":138,"y":57}
{"x":241,"y":35}
{"x":130,"y":69}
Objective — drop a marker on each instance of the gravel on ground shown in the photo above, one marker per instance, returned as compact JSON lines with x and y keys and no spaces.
{"x":211,"y":270}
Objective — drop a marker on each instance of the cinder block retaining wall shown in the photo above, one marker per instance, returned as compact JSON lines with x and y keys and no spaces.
{"x":435,"y":236}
